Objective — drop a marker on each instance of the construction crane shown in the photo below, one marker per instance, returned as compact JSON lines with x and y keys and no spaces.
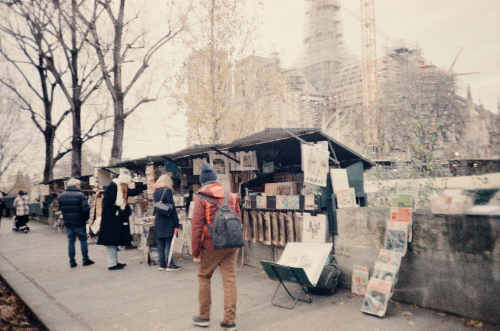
{"x":369,"y":72}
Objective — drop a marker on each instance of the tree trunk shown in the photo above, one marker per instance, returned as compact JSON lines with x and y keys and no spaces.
{"x":48,"y":170}
{"x":119,"y":128}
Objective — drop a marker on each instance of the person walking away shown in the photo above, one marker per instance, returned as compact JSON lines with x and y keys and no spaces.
{"x":22,"y":209}
{"x":75,"y":209}
{"x":115,"y":230}
{"x":165,"y":225}
{"x":208,"y":257}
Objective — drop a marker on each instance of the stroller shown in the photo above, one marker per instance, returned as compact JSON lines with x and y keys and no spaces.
{"x":20,"y":224}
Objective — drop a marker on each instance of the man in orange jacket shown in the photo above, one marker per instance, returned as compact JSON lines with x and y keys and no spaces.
{"x":208,"y":257}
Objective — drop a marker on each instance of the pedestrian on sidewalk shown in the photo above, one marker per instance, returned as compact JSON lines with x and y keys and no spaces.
{"x":208,"y":257}
{"x":75,"y":209}
{"x":165,"y":225}
{"x":22,"y":209}
{"x":115,"y":229}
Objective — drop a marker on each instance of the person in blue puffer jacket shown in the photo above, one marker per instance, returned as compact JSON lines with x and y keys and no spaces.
{"x":76,"y":211}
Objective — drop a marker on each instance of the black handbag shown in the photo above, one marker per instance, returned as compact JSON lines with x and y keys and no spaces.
{"x":163,"y":209}
{"x":327,"y":282}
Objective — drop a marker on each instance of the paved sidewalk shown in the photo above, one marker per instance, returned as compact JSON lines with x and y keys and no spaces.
{"x":141,"y":298}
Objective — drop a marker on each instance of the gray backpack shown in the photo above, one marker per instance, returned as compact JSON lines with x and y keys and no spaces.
{"x":227,"y":230}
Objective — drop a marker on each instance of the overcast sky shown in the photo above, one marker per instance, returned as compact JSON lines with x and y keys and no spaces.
{"x":439,"y":27}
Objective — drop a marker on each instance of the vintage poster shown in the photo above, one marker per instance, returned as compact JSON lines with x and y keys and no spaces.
{"x":197,"y":163}
{"x":248,"y":161}
{"x":396,"y":237}
{"x":339,"y":179}
{"x":390,"y":257}
{"x":267,"y":167}
{"x":310,"y":257}
{"x":360,"y":276}
{"x":401,"y":201}
{"x":385,"y":271}
{"x":377,"y":297}
{"x":313,"y":228}
{"x":346,"y":198}
{"x":403,"y":215}
{"x":315,"y":165}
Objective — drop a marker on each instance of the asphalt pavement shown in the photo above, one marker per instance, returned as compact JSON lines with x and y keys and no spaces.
{"x":140,"y":297}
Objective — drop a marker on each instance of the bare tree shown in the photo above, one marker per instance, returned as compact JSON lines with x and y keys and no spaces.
{"x":13,"y":141}
{"x":24,"y":45}
{"x":83,"y":79}
{"x":128,"y":46}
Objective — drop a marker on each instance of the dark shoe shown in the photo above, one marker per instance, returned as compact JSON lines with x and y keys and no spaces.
{"x":116,"y":267}
{"x":198,"y":321}
{"x":122,"y":264}
{"x":87,"y":262}
{"x":73,"y":265}
{"x":173,"y":267}
{"x":229,"y":327}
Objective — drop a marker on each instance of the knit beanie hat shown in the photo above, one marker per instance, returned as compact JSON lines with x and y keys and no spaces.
{"x":207,"y":173}
{"x":125,"y":176}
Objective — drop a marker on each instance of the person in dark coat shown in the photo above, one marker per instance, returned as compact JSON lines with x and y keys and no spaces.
{"x":165,"y":226}
{"x":115,"y":229}
{"x":75,"y":209}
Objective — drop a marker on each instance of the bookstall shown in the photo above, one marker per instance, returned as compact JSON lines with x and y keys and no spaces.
{"x":282,"y":178}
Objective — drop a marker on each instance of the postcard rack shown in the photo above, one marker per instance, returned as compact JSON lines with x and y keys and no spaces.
{"x":288,"y":274}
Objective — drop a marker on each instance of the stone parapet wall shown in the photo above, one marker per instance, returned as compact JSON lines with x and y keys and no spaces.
{"x":452,"y":263}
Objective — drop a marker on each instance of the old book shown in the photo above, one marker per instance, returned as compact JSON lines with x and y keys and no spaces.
{"x":260,"y":226}
{"x":290,"y":235}
{"x":360,"y":276}
{"x":266,"y":218}
{"x":255,"y":228}
{"x":247,"y":228}
{"x":377,"y":297}
{"x":298,"y":223}
{"x":281,"y":229}
{"x":271,"y":189}
{"x":274,"y":227}
{"x":396,"y":237}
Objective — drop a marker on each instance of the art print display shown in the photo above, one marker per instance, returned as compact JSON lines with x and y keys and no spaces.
{"x":298,"y":221}
{"x":197,"y":163}
{"x":401,"y":201}
{"x":261,"y":202}
{"x":377,"y":297}
{"x":248,"y":161}
{"x":360,"y":276}
{"x":315,"y":164}
{"x":403,"y":215}
{"x":346,"y":198}
{"x":310,"y":257}
{"x":220,"y":163}
{"x":267,"y":228}
{"x":385,"y":271}
{"x":314,"y":228}
{"x":390,"y":257}
{"x":247,"y":228}
{"x":255,"y":226}
{"x":396,"y":237}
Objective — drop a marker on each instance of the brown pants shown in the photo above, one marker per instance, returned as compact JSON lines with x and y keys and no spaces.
{"x":225,"y":258}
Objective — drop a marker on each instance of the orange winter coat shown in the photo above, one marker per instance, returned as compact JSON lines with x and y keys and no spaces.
{"x":200,"y":236}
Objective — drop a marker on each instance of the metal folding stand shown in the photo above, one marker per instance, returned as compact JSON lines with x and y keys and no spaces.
{"x":288,"y":274}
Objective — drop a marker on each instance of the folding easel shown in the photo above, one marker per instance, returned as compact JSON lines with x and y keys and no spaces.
{"x":288,"y":274}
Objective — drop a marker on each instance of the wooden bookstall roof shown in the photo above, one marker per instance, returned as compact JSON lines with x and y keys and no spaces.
{"x":273,"y":144}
